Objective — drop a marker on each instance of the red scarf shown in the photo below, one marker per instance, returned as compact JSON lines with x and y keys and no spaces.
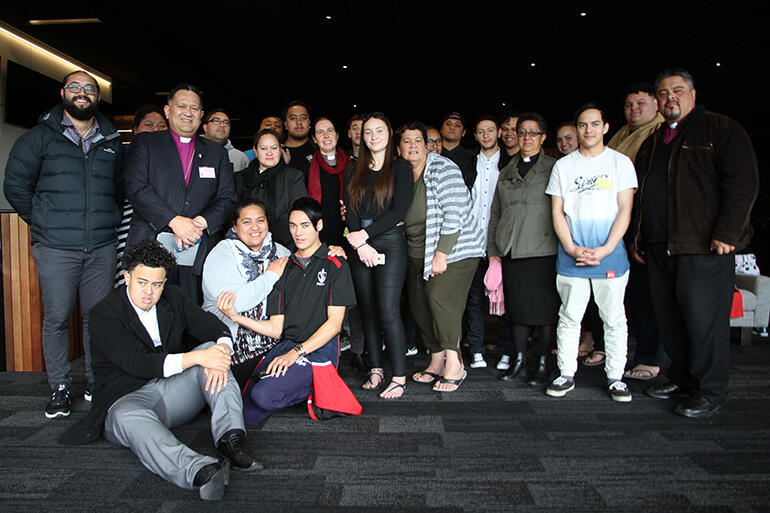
{"x":319,"y":162}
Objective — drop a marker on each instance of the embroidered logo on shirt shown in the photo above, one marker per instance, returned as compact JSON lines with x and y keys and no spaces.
{"x":109,"y":150}
{"x":321,"y":278}
{"x":610,"y":274}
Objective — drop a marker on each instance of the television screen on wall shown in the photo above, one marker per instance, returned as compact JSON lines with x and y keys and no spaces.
{"x":28,"y":94}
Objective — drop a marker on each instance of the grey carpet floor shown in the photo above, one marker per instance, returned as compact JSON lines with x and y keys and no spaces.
{"x":492,"y":446}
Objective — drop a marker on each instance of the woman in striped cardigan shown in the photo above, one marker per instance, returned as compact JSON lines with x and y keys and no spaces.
{"x":444,"y":243}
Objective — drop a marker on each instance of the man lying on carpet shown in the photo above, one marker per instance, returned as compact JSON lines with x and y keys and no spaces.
{"x":306,"y":308}
{"x":149,"y":380}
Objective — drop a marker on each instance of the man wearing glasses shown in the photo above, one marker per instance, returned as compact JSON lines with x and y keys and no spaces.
{"x":61,"y":178}
{"x":217,"y":129}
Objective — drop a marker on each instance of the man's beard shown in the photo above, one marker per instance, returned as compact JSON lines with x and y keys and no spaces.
{"x":81,"y":114}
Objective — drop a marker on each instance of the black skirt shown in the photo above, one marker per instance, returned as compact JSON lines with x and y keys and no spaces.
{"x":529,"y":285}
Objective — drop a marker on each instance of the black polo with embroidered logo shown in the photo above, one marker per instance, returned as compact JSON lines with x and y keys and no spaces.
{"x":303,"y":293}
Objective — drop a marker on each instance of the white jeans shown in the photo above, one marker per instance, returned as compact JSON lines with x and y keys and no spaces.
{"x":608,"y":294}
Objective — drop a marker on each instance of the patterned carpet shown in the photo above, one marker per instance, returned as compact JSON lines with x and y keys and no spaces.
{"x":492,"y":446}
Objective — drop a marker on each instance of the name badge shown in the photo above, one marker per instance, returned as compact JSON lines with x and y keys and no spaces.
{"x":604,"y":183}
{"x":206,"y":172}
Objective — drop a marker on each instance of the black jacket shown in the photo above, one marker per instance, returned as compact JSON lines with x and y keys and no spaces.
{"x":124,"y":357}
{"x":68,"y":198}
{"x":156,"y":188}
{"x":278,"y":187}
{"x":712,"y":181}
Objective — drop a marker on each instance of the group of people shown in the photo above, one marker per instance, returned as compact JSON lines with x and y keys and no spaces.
{"x":240,"y":268}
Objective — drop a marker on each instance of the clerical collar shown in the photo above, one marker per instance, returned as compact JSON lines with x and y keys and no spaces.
{"x":526,"y":159}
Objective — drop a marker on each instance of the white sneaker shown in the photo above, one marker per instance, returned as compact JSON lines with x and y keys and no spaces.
{"x":619,"y":391}
{"x":478,"y":361}
{"x":504,"y":363}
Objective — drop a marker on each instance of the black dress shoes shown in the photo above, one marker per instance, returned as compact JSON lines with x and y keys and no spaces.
{"x":667,"y":391}
{"x":539,"y":374}
{"x":233,"y":447}
{"x":697,"y":407}
{"x":211,"y":480}
{"x":517,"y":365}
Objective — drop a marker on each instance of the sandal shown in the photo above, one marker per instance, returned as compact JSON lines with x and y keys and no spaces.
{"x":595,"y":363}
{"x":394,"y":385}
{"x":455,"y":382}
{"x":641,"y":373}
{"x":378,"y":375}
{"x":416,"y":377}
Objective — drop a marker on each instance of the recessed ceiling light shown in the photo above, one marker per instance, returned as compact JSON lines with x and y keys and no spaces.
{"x":328,"y":17}
{"x":583,"y":14}
{"x":532,"y":64}
{"x":719,"y":64}
{"x":344,"y":66}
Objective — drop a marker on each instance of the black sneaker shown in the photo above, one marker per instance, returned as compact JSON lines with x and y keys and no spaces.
{"x":234,"y":447}
{"x":87,"y":394}
{"x":560,"y":386}
{"x":619,"y":392}
{"x":411,"y":351}
{"x":59,"y":405}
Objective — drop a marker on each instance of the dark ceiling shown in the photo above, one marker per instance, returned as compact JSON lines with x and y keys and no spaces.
{"x":414,"y":59}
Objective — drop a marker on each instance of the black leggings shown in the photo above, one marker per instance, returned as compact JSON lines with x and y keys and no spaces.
{"x":378,"y":291}
{"x":543,"y":338}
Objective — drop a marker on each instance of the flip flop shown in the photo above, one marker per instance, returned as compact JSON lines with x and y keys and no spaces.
{"x":433,"y":375}
{"x":391,"y":387}
{"x":597,"y":362}
{"x":456,"y":382}
{"x":640,"y":374}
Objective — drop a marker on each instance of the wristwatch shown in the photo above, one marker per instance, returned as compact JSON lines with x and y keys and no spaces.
{"x":300,"y":350}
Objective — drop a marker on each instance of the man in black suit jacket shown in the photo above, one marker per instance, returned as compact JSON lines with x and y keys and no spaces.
{"x":180,"y":183}
{"x":148,"y":379}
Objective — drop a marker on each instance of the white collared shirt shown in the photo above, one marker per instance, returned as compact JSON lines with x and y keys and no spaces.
{"x":483,"y":191}
{"x":172,"y":364}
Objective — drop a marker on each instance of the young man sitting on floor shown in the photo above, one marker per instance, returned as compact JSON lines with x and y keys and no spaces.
{"x":306,"y":308}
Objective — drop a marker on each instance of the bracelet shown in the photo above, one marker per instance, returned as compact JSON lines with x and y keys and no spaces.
{"x":300,"y":350}
{"x":361,"y":246}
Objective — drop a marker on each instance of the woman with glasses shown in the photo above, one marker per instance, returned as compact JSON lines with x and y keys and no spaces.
{"x":521,"y":236}
{"x":269,"y":179}
{"x":378,"y":193}
{"x":443,"y":249}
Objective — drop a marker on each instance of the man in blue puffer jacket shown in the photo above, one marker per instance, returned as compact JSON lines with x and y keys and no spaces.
{"x":62,"y":178}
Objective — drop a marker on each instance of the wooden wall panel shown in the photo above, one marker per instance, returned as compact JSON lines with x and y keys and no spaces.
{"x":23,"y":301}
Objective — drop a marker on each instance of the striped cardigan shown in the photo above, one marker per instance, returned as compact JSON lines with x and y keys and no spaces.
{"x":449,"y":211}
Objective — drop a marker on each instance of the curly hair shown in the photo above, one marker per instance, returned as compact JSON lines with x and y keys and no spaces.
{"x":149,"y":253}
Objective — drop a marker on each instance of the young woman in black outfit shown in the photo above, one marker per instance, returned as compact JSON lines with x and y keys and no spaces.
{"x":377,"y":196}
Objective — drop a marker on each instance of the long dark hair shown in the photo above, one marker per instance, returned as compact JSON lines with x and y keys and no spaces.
{"x":383,"y":187}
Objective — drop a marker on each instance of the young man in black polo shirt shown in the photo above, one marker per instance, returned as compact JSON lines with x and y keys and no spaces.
{"x":306,"y":309}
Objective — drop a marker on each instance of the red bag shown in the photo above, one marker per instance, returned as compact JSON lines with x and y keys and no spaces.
{"x":330,"y":397}
{"x":737,"y":309}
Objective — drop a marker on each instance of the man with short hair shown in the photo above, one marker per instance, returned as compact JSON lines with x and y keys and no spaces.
{"x":355,"y":129}
{"x":509,"y":138}
{"x":699,"y":179}
{"x":452,"y":133}
{"x":642,"y":119}
{"x":566,"y":138}
{"x":306,"y":309}
{"x":592,"y":191}
{"x":217,"y":129}
{"x":487,"y":134}
{"x":62,"y":178}
{"x":296,"y":118}
{"x":149,"y":378}
{"x":181,"y":184}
